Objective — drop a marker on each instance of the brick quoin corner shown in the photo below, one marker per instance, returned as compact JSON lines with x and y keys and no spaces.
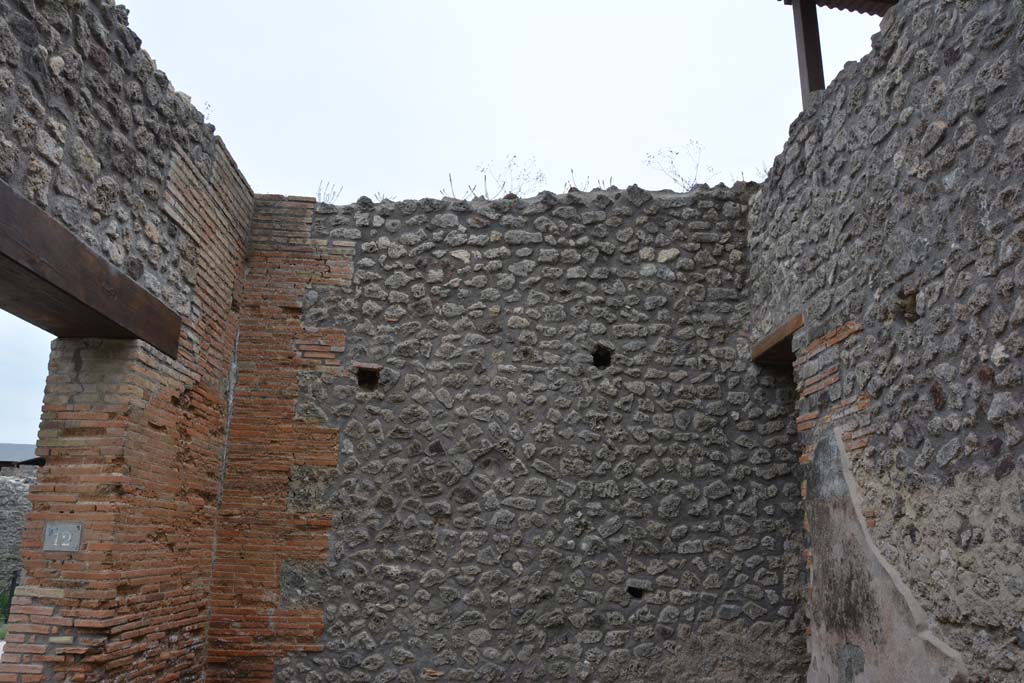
{"x":535,"y":439}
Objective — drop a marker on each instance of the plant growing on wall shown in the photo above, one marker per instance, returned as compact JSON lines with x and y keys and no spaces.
{"x":327,"y":193}
{"x":586,"y":184}
{"x":497,"y":179}
{"x":683,"y":166}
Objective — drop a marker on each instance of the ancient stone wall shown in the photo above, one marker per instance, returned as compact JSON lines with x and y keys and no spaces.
{"x":556,"y":461}
{"x":134,"y":441}
{"x":893,"y":221}
{"x":89,"y":128}
{"x":523,"y":439}
{"x":14,"y":505}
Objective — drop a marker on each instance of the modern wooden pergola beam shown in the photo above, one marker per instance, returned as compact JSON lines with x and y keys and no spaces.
{"x":51,"y":279}
{"x":808,"y":37}
{"x":808,"y":48}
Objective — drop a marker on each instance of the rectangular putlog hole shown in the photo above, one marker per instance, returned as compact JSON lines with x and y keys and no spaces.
{"x":367,"y":376}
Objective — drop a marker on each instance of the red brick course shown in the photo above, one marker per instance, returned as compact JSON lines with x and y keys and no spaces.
{"x":841,"y":410}
{"x":826,"y":341}
{"x":248,"y":629}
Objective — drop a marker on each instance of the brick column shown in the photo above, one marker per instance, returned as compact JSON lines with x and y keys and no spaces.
{"x":257,"y":530}
{"x":134,"y":443}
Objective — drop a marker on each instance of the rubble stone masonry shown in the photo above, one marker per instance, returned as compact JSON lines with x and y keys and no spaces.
{"x":503,"y":507}
{"x":524,"y":439}
{"x":14,"y":485}
{"x":894,"y":220}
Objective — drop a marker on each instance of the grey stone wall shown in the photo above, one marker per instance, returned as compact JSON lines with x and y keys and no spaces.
{"x":504,"y":509}
{"x":897,"y":204}
{"x":88,"y":129}
{"x":14,"y":505}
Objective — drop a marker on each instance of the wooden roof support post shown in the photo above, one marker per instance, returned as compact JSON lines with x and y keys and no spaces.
{"x":808,"y":48}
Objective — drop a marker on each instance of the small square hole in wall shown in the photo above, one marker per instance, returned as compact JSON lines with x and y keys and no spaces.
{"x":368,"y":377}
{"x":602,"y":356}
{"x":635,"y":591}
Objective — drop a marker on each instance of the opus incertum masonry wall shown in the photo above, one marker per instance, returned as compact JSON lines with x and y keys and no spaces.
{"x":894,"y":219}
{"x":14,"y":485}
{"x":523,"y":439}
{"x":512,"y":439}
{"x":505,"y":508}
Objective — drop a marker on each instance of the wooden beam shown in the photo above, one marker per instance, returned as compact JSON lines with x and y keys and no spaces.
{"x":776,"y":347}
{"x":808,"y":48}
{"x":51,"y":279}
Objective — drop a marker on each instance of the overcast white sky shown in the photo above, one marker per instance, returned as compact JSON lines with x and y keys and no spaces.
{"x":390,"y":96}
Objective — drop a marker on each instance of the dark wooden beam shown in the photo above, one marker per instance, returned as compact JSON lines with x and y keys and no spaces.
{"x":808,"y":48}
{"x":51,"y":279}
{"x":776,"y":347}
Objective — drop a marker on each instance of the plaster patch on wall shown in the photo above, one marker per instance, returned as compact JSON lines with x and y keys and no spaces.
{"x":866,"y":624}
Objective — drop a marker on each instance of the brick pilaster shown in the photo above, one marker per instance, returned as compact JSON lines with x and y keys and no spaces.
{"x":133,"y":442}
{"x":257,"y":532}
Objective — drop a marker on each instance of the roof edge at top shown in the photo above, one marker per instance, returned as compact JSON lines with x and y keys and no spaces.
{"x":876,"y":7}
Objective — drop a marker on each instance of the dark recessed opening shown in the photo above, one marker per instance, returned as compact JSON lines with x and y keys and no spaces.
{"x":908,"y":302}
{"x":776,"y":348}
{"x":602,"y":356}
{"x":368,"y":378}
{"x":635,"y":592}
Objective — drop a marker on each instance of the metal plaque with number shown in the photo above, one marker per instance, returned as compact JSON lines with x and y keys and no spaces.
{"x":62,"y":536}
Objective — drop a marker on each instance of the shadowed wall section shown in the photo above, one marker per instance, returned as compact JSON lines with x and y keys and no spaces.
{"x":868,"y":624}
{"x":893,"y":221}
